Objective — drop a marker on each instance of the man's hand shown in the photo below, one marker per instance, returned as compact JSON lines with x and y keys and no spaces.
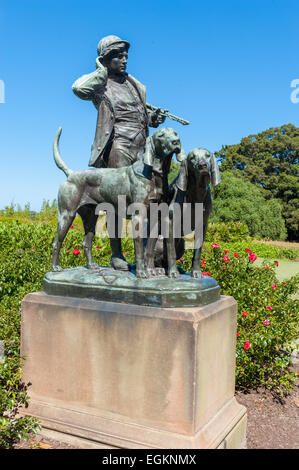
{"x":158,"y":117}
{"x":101,"y":67}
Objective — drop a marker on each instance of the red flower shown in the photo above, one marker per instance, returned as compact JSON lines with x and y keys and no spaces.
{"x":238,"y":334}
{"x":226,"y":259}
{"x":284,"y":284}
{"x":248,"y":250}
{"x":266,"y":322}
{"x":246,"y":345}
{"x":204,"y":273}
{"x":268,"y":307}
{"x":267,"y":267}
{"x":125,"y":254}
{"x":98,"y":248}
{"x":252,"y":257}
{"x":33,"y":248}
{"x":225,"y":251}
{"x":274,"y":286}
{"x":76,"y":251}
{"x":236,"y":255}
{"x":214,"y":245}
{"x":244,"y":314}
{"x":276,"y":262}
{"x":71,"y":226}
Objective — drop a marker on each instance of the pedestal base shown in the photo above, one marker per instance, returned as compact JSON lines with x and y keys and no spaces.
{"x":131,"y":376}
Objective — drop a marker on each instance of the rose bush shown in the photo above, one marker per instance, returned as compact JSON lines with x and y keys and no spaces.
{"x":267,"y":315}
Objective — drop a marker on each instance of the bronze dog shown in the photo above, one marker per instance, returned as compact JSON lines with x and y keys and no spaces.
{"x":192,"y":185}
{"x":142,"y":183}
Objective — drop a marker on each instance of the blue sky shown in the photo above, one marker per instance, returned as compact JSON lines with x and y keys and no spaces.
{"x":224,"y":65}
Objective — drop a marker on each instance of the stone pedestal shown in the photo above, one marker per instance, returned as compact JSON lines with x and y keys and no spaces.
{"x":131,"y":376}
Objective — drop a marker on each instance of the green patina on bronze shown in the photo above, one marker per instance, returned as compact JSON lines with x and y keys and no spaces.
{"x":111,"y":285}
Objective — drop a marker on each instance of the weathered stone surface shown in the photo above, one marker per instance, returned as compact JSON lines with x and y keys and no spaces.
{"x":133,"y":376}
{"x":111,"y":285}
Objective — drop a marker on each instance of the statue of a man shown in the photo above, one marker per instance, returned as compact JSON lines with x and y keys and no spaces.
{"x":123,"y":118}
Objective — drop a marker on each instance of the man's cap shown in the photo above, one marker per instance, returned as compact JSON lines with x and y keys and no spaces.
{"x":110,"y":43}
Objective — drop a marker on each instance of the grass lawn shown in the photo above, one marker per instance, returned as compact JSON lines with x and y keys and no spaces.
{"x":285,"y":268}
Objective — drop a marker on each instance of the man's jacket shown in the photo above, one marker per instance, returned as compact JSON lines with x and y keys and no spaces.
{"x":93,"y":87}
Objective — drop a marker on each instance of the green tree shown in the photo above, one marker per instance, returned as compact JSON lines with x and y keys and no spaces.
{"x":236,"y":199}
{"x":270,"y":159}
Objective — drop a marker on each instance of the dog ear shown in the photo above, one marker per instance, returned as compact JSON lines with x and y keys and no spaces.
{"x":149,"y":152}
{"x":182,"y":179}
{"x":190,"y":154}
{"x":181,"y":156}
{"x":215,"y":176}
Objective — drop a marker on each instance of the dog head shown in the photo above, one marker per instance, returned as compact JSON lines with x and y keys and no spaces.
{"x":166,"y":142}
{"x":159,"y":149}
{"x":203,"y":164}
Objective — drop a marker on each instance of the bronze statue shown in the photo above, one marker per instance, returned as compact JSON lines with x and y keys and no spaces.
{"x":191,"y":186}
{"x":123,"y":117}
{"x":129,"y":162}
{"x":143,"y":182}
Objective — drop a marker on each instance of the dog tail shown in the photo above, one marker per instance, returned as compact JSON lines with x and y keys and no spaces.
{"x":57,"y":157}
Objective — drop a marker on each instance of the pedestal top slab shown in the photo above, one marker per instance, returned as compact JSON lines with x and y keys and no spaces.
{"x":104,"y":283}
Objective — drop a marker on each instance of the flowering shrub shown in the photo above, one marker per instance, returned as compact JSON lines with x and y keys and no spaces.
{"x":262,"y":250}
{"x":267,"y":315}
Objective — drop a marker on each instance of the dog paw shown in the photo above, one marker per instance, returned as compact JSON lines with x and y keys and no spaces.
{"x":93,"y":266}
{"x":160,"y":271}
{"x":173,"y":274}
{"x":197,"y":274}
{"x":56,"y":268}
{"x":142,"y":274}
{"x":151,"y":272}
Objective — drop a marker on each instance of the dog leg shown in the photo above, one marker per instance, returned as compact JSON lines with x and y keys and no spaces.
{"x":141,"y":272}
{"x":65,"y":220}
{"x":195,"y":270}
{"x":150,"y":246}
{"x":118,"y":260}
{"x":89,"y":219}
{"x":170,"y":244}
{"x":150,"y":257}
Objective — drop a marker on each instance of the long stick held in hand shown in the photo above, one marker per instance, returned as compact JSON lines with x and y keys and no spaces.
{"x":165,"y":112}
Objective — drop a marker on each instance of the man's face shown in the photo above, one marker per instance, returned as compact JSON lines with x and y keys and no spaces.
{"x":117,"y":61}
